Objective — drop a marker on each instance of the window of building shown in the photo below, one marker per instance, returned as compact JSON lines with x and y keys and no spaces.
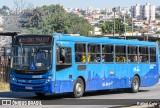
{"x":107,"y":53}
{"x":94,"y":53}
{"x":132,"y":54}
{"x":80,"y":52}
{"x":152,"y":54}
{"x":64,"y":58}
{"x":143,"y":54}
{"x":120,"y":53}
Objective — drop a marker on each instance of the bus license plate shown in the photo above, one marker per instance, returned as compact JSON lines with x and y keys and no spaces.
{"x":29,"y":88}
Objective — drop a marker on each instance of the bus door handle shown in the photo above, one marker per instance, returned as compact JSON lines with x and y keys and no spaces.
{"x":81,"y":67}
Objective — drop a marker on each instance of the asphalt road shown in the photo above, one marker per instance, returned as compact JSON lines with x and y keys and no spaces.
{"x":90,"y":99}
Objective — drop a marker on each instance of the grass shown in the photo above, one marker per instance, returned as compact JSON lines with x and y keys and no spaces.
{"x":4,"y":86}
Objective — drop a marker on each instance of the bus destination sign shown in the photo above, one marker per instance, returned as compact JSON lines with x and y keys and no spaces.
{"x":33,"y":40}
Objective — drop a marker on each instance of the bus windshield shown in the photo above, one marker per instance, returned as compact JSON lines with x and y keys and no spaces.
{"x":32,"y":58}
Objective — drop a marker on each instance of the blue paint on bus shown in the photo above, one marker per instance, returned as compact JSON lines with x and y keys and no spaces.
{"x":96,"y":76}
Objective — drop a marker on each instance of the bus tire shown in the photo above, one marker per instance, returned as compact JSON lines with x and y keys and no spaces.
{"x":78,"y":88}
{"x":135,"y":84}
{"x":40,"y":94}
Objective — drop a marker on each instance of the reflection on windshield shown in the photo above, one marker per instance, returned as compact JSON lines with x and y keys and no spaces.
{"x":31,"y":57}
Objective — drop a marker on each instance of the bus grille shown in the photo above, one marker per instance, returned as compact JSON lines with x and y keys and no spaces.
{"x":31,"y":81}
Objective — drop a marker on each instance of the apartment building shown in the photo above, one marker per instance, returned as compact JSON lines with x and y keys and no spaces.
{"x":135,"y":11}
{"x":143,"y":12}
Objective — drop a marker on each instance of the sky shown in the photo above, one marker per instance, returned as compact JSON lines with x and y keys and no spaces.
{"x":83,"y":3}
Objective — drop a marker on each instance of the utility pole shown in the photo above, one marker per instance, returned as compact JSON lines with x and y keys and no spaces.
{"x":132,"y":26}
{"x":114,"y":11}
{"x":148,"y":27}
{"x":125,"y":25}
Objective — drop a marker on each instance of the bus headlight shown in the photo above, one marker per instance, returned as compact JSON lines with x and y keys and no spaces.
{"x":49,"y":79}
{"x":12,"y":78}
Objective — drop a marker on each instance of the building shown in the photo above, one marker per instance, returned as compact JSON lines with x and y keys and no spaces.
{"x":108,"y":10}
{"x":125,"y":10}
{"x":143,"y":12}
{"x":152,"y":13}
{"x":148,"y":12}
{"x":90,"y":10}
{"x":138,"y":23}
{"x":97,"y":31}
{"x":1,"y":23}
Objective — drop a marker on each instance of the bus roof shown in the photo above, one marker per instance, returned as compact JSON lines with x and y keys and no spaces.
{"x":107,"y":40}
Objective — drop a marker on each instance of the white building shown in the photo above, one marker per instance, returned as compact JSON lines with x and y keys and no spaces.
{"x":108,"y":10}
{"x":138,"y":23}
{"x":135,"y":11}
{"x":97,"y":10}
{"x":1,"y":23}
{"x":90,"y":10}
{"x":97,"y":31}
{"x":152,"y":12}
{"x":125,"y":10}
{"x":143,"y":12}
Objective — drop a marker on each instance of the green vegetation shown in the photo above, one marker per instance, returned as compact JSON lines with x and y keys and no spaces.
{"x":158,"y":32}
{"x":4,"y":10}
{"x":108,"y":27}
{"x":4,"y":86}
{"x":157,"y":16}
{"x":53,"y":18}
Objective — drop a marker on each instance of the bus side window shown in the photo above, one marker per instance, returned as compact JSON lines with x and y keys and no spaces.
{"x":94,"y":53}
{"x":143,"y":54}
{"x":107,"y":53}
{"x":152,"y":54}
{"x":120,"y":53}
{"x":80,"y":52}
{"x":132,"y":54}
{"x":64,"y":58}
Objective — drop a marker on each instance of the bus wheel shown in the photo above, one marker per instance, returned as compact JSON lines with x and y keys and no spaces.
{"x":40,"y":94}
{"x":78,"y":88}
{"x":135,"y":84}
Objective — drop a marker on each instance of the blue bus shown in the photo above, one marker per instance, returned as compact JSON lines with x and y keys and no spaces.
{"x":62,"y":63}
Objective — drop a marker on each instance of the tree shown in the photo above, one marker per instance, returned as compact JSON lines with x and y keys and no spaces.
{"x":157,"y":16}
{"x":5,"y":8}
{"x":128,"y":19}
{"x":158,"y":32}
{"x":145,"y":18}
{"x":19,"y":5}
{"x":104,"y":28}
{"x":83,"y":12}
{"x":107,"y":27}
{"x":54,"y":18}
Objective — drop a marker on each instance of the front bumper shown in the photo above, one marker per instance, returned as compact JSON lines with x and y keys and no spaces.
{"x":42,"y":88}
